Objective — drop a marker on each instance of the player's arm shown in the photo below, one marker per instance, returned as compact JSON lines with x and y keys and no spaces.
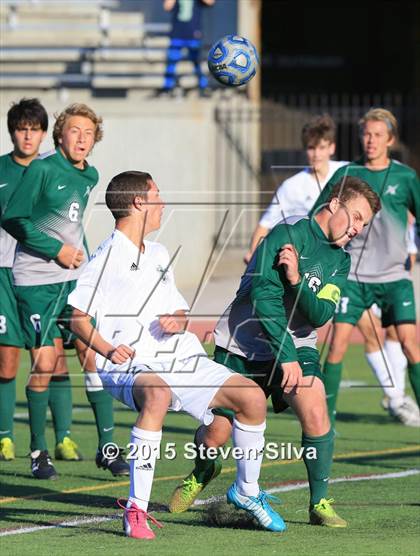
{"x":81,"y":325}
{"x":175,"y":323}
{"x":277,"y":210}
{"x":259,"y":234}
{"x":414,"y":201}
{"x":17,"y":220}
{"x":317,"y":307}
{"x":267,"y":298}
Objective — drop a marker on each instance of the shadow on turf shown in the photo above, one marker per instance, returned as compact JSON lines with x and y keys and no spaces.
{"x":371,"y":418}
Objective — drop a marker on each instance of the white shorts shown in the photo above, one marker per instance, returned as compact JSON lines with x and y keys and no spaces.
{"x":194,"y":382}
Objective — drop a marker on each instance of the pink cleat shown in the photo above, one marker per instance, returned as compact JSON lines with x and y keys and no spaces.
{"x":135,"y":522}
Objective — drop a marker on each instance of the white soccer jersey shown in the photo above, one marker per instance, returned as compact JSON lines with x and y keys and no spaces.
{"x":126,"y":291}
{"x":296,"y":195}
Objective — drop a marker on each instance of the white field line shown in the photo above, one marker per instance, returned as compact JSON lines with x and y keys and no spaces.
{"x":211,"y":500}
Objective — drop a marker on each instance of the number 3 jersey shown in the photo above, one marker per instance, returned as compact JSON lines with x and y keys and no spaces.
{"x":269,"y":318}
{"x":45,"y":212}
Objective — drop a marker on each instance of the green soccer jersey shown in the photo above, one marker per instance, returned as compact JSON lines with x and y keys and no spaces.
{"x":45,"y":212}
{"x":269,"y":317}
{"x":379,"y":253}
{"x":10,"y":175}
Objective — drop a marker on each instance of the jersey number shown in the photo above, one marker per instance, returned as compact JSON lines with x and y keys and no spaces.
{"x":3,"y":324}
{"x":342,"y":306}
{"x":74,"y":212}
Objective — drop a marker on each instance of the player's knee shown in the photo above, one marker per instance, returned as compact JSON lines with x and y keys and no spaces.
{"x":218,"y":433}
{"x":410,"y":348}
{"x":156,"y":400}
{"x":8,"y":365}
{"x":316,"y":421}
{"x":253,"y":404}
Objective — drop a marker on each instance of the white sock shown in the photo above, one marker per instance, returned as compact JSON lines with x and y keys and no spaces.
{"x":142,"y":467}
{"x":398,"y":361}
{"x":381,"y":366}
{"x":250,"y":438}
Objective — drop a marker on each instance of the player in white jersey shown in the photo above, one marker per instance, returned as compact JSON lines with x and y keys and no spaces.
{"x":297,"y":195}
{"x":147,"y":359}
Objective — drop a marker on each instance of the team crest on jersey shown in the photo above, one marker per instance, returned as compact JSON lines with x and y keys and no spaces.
{"x":392,"y":189}
{"x":164,"y":273}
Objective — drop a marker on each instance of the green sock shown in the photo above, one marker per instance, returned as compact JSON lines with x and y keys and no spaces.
{"x":37,"y":407}
{"x":7,"y":406}
{"x":332,"y":379}
{"x":102,"y":405}
{"x":61,"y":406}
{"x":203,"y":467}
{"x":414,"y":376}
{"x":318,"y":468}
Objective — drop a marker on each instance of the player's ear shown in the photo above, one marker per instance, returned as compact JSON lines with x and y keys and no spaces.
{"x":138,"y":202}
{"x":334,"y":205}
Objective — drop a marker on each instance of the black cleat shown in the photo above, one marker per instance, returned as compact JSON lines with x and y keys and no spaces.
{"x":41,"y":465}
{"x":117,"y":465}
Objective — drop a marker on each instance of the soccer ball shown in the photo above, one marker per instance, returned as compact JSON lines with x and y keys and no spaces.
{"x":233,"y":60}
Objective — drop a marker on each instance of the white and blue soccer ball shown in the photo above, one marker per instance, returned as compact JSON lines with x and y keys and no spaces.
{"x":233,"y":60}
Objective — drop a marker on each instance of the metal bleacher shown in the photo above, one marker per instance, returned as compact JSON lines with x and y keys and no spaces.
{"x":48,"y":44}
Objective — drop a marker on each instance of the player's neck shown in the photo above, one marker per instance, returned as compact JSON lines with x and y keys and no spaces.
{"x":132,"y":231}
{"x":377,"y":163}
{"x":320,"y":174}
{"x":23,"y":160}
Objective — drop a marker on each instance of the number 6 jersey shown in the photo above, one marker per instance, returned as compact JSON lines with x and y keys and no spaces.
{"x":45,"y":212}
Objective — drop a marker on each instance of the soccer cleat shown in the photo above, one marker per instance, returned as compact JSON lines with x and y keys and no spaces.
{"x":324,"y":514}
{"x":68,"y":450}
{"x":185,"y":493}
{"x":404,"y":414}
{"x":41,"y":465}
{"x":117,"y":465}
{"x":135,"y":522}
{"x":7,"y":449}
{"x":258,"y":507}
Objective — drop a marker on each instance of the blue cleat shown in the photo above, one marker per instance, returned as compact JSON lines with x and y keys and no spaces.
{"x":258,"y":507}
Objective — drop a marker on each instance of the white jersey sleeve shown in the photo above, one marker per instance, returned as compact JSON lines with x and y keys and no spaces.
{"x":282,"y":205}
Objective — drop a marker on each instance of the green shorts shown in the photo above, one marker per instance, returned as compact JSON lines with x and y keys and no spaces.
{"x":10,"y":327}
{"x":44,"y":313}
{"x":395,"y":299}
{"x":266,"y":374}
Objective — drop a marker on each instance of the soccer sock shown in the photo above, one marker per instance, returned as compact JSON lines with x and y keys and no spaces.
{"x":101,"y":403}
{"x":332,"y":379}
{"x":203,"y":466}
{"x":250,"y":438}
{"x":414,"y":376}
{"x":398,"y":362}
{"x":142,"y":466}
{"x":61,"y":406}
{"x":381,"y":367}
{"x":7,"y":406}
{"x":318,"y":463}
{"x":37,"y":407}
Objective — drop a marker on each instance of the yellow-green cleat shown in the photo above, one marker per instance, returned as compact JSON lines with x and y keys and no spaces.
{"x":185,"y":493}
{"x":324,"y":514}
{"x":7,"y":449}
{"x":68,"y":450}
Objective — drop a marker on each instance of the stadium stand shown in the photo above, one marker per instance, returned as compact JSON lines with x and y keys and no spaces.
{"x":55,"y":44}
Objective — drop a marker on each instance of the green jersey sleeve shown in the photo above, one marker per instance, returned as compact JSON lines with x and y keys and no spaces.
{"x":319,"y":307}
{"x":267,"y":295}
{"x":17,"y":218}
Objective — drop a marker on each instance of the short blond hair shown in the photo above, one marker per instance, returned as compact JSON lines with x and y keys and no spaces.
{"x":381,"y":115}
{"x":76,"y":109}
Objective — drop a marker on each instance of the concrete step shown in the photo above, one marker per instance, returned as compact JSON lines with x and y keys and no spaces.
{"x":40,"y":54}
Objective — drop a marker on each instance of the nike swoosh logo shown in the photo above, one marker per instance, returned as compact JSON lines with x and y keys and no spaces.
{"x":406,"y":303}
{"x":3,"y":185}
{"x":303,"y":257}
{"x":306,"y":362}
{"x":61,"y":186}
{"x":107,"y":430}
